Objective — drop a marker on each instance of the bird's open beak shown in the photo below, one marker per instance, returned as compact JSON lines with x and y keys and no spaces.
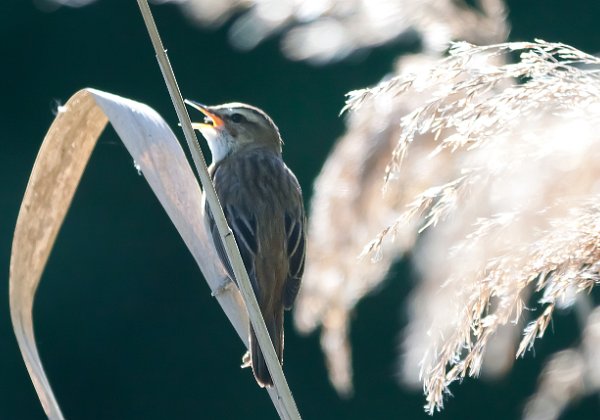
{"x":211,"y":119}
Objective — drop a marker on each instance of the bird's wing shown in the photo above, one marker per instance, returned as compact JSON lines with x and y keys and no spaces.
{"x":295,"y":228}
{"x":244,"y":229}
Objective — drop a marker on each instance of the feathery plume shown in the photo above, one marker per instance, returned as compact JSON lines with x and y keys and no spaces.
{"x":521,"y":212}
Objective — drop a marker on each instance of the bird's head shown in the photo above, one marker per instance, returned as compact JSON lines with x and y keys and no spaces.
{"x":232,"y":127}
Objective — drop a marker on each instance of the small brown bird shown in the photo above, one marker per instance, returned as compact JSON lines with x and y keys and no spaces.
{"x":262,"y":201}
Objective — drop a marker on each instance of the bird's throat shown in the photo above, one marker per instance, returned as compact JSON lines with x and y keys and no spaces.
{"x":219,"y":145}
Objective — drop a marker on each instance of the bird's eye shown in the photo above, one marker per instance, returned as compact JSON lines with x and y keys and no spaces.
{"x":237,"y":118}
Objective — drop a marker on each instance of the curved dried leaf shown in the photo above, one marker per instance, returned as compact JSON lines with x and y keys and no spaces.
{"x":57,"y":171}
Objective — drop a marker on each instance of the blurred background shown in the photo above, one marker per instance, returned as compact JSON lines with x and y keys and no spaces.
{"x":125,"y":324}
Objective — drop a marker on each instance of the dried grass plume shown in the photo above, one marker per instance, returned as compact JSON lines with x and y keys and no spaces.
{"x":522,"y":212}
{"x":491,"y":157}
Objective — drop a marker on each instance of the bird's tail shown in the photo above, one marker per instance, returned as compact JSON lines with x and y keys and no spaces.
{"x":274,"y":325}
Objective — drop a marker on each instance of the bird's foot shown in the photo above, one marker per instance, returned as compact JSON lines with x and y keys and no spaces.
{"x":225,"y":284}
{"x":246,"y":360}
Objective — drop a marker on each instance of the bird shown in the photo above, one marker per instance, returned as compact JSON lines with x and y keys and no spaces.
{"x":263,"y":205}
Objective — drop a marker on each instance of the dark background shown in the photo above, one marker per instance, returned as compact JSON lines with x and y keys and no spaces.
{"x":125,"y":324}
